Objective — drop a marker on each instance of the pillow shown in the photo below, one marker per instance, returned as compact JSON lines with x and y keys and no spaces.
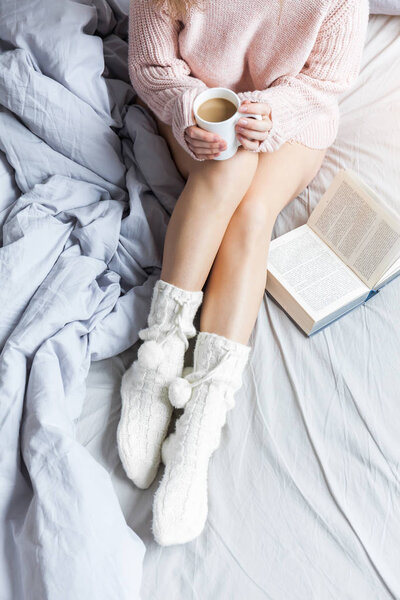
{"x":384,"y":7}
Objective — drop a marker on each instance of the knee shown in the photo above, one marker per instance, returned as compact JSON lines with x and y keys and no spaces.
{"x":255,"y":220}
{"x":227,"y":181}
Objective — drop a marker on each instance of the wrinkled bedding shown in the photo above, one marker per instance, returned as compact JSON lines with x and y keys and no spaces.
{"x":81,"y":239}
{"x":384,"y":7}
{"x":304,"y":492}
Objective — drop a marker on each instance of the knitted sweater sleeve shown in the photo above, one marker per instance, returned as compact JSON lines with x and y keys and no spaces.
{"x":160,"y":77}
{"x":304,"y":108}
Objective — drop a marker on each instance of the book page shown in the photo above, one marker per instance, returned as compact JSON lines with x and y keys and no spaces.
{"x":312,"y":273}
{"x":363,"y":233}
{"x":390,"y":274}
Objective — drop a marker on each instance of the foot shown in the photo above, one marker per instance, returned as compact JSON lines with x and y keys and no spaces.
{"x":146,"y":409}
{"x":145,"y":417}
{"x":181,"y":502}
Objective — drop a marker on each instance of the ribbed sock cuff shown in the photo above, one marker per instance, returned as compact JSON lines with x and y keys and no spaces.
{"x":211,"y":347}
{"x":167,"y":300}
{"x":178,"y":293}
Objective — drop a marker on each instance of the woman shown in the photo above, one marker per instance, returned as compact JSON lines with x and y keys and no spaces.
{"x":289,"y":61}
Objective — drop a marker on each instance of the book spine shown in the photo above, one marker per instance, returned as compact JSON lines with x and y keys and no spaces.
{"x":372,"y":293}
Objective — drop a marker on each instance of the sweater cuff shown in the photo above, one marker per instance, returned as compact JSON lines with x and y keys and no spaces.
{"x":279,"y":113}
{"x":290,"y":124}
{"x":183,"y":116}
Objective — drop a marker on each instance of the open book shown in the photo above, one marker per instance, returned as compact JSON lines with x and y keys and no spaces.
{"x":345,"y":253}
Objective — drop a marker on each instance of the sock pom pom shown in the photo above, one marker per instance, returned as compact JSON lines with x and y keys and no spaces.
{"x":179,"y":392}
{"x":150,"y":354}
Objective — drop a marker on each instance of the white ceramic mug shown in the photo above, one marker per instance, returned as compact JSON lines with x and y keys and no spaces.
{"x":225,"y":129}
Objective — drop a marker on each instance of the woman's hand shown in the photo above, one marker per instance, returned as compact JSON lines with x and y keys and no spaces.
{"x":204,"y":144}
{"x":252,"y":132}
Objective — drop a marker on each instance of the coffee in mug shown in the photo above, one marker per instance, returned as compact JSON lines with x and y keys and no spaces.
{"x":216,"y":110}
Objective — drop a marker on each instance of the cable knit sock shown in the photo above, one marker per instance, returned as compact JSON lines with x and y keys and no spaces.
{"x":146,"y":410}
{"x":207,"y":393}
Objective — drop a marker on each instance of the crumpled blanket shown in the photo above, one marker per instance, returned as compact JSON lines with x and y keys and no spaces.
{"x":86,"y":190}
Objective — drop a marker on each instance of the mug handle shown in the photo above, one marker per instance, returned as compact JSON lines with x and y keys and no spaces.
{"x":247,"y":115}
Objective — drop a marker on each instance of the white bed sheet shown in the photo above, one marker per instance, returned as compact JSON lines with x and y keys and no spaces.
{"x":304,"y":494}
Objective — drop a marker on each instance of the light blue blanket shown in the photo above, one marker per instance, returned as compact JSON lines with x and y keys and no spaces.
{"x":86,"y":190}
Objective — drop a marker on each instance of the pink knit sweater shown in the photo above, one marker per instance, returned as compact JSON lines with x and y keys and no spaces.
{"x":298,"y":56}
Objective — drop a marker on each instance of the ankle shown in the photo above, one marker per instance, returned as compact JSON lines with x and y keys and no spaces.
{"x":215,"y":359}
{"x":170,"y":303}
{"x":211,"y":348}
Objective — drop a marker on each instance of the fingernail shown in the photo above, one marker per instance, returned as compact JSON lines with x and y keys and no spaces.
{"x":243,"y":107}
{"x":216,"y":138}
{"x":221,"y":146}
{"x":243,"y":121}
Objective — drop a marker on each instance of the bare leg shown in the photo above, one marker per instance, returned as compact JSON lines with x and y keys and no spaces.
{"x":221,"y":227}
{"x":236,"y":284}
{"x":201,"y":215}
{"x":202,"y":212}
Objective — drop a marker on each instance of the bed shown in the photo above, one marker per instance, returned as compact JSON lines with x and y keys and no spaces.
{"x":304,"y":490}
{"x":304,"y":494}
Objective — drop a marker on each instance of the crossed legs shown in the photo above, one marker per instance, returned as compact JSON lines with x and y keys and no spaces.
{"x":219,"y":232}
{"x":217,"y":239}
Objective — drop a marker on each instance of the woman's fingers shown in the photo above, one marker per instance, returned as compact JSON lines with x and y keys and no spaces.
{"x":253,"y":130}
{"x":204,"y":150}
{"x":248,"y":144}
{"x":196,"y":133}
{"x":206,"y":156}
{"x":201,"y":144}
{"x":254,"y":124}
{"x":259,"y":108}
{"x":250,"y":134}
{"x":204,"y":144}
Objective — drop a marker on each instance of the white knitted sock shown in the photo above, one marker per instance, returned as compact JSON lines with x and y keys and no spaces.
{"x":180,"y":504}
{"x":146,"y":410}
